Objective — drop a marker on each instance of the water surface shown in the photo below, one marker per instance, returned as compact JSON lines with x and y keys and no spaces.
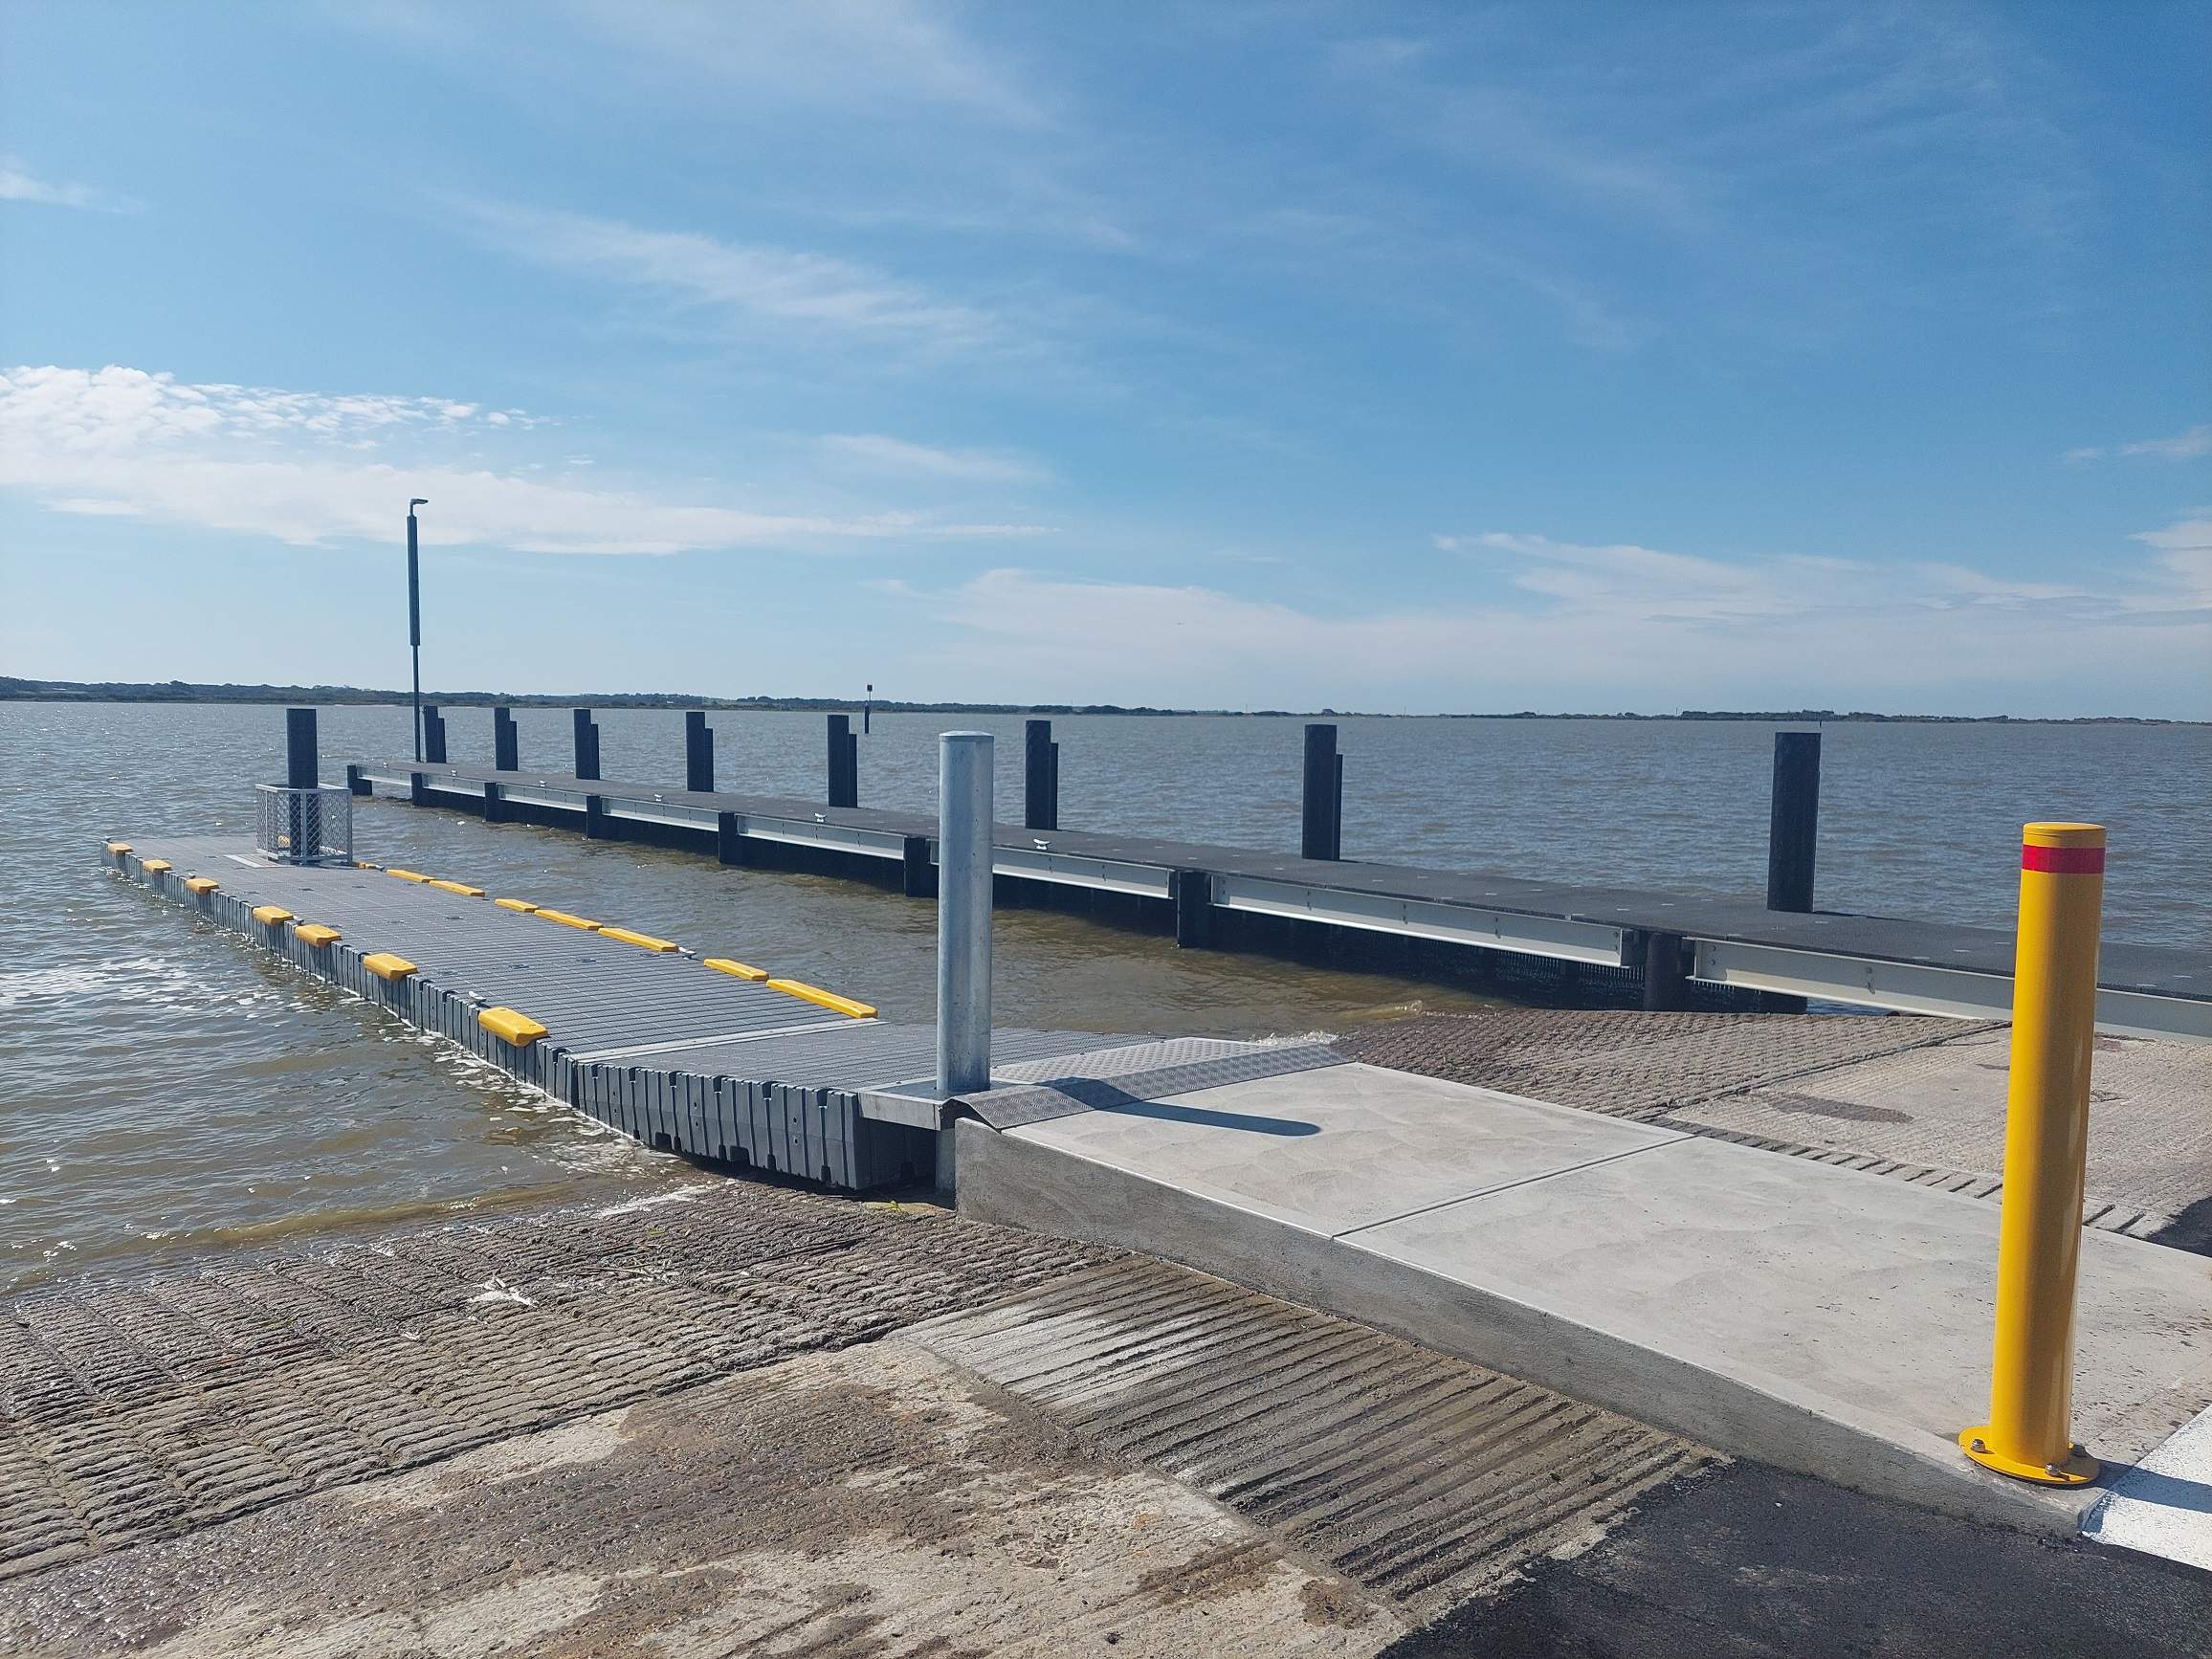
{"x":161,"y":1086}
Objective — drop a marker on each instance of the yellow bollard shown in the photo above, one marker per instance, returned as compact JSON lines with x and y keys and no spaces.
{"x":2054,"y":996}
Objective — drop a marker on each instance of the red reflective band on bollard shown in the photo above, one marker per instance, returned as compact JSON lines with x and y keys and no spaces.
{"x":2063,"y":860}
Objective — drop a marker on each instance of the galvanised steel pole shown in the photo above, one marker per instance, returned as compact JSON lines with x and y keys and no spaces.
{"x":414,"y":618}
{"x":2047,"y":1126}
{"x":964,"y":912}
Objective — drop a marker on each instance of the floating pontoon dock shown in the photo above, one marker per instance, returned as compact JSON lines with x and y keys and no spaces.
{"x":1729,"y":950}
{"x":684,"y":1050}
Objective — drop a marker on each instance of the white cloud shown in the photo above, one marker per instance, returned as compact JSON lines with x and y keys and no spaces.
{"x":2192,"y":445}
{"x":747,"y":283}
{"x":2184,"y":551}
{"x":2185,"y":446}
{"x":1563,"y":625}
{"x":18,"y":183}
{"x":1663,"y":585}
{"x":305,"y":468}
{"x":891,"y":454}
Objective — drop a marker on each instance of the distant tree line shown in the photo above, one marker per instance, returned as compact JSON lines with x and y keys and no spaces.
{"x":177,"y":691}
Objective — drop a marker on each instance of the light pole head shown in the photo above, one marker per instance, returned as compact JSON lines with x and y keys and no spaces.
{"x":417,"y":502}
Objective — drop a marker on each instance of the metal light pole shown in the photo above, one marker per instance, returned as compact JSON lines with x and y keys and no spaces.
{"x":414,"y":618}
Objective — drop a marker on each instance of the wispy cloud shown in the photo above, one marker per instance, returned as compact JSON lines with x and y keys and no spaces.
{"x":1666,"y":586}
{"x":852,"y":53}
{"x":311,"y":468}
{"x":1484,"y":123}
{"x":1770,"y":168}
{"x":1577,"y":626}
{"x":869,"y":58}
{"x":2192,"y":445}
{"x":889,"y":454}
{"x":1623,"y":579}
{"x":19,"y":184}
{"x":2185,"y":549}
{"x":743,"y":283}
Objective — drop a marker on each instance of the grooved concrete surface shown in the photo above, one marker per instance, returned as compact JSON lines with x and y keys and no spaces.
{"x":1918,"y":1100}
{"x":1035,"y":1091}
{"x":1633,"y":1065}
{"x":859,"y":1504}
{"x":131,"y":1411}
{"x":2150,"y":1120}
{"x":1425,"y":1478}
{"x":406,"y":1446}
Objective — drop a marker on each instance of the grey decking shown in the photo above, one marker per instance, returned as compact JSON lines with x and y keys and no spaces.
{"x":1878,"y":962}
{"x":655,"y":1044}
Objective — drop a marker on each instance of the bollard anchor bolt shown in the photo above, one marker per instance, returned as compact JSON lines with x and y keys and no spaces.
{"x":2078,"y":1469}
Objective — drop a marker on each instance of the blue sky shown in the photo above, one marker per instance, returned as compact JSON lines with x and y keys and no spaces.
{"x":1423,"y":358}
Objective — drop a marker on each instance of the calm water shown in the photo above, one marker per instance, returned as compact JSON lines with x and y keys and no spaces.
{"x":162,"y":1087}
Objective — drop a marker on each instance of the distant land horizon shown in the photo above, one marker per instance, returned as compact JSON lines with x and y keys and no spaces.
{"x":19,"y":690}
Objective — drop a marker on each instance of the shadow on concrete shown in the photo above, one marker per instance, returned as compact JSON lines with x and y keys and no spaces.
{"x":1102,"y":1095}
{"x":2133,"y":1480}
{"x":2190,"y":1230}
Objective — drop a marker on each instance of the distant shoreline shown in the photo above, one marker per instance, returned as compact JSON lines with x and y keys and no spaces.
{"x":56,"y":691}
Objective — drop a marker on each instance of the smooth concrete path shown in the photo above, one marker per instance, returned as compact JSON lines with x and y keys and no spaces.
{"x":1821,"y":1320}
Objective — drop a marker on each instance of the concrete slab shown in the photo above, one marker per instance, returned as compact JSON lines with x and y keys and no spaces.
{"x":1832,"y":1287}
{"x":1823,"y":1319}
{"x":1347,"y":1146}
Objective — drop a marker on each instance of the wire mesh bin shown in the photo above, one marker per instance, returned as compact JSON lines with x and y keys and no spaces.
{"x":304,"y":826}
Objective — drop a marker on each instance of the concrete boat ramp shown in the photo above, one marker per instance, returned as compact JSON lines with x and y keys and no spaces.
{"x":752,"y":1420}
{"x":1818,"y":1317}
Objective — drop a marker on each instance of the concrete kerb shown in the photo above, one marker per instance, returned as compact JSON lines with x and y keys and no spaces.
{"x":1009,"y":1181}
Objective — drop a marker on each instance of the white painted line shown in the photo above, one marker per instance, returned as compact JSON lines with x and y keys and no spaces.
{"x":2163,"y":1505}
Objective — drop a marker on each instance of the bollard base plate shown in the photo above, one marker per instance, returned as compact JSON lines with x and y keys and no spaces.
{"x":2078,"y":1469}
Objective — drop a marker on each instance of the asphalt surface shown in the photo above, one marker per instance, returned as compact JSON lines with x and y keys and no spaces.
{"x":1752,"y":1561}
